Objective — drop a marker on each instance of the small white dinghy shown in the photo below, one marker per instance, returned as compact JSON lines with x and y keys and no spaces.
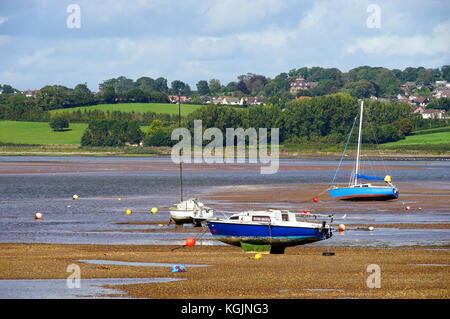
{"x":190,"y":211}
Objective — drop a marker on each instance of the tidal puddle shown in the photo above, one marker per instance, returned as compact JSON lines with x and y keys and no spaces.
{"x":132,"y":263}
{"x":60,"y":289}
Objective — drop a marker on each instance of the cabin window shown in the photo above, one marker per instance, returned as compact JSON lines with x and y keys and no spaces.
{"x":234,"y":217}
{"x":261,"y":218}
{"x":285,"y":217}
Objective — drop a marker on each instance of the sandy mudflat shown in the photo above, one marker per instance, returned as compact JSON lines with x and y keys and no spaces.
{"x":413,"y":199}
{"x":302,"y":272}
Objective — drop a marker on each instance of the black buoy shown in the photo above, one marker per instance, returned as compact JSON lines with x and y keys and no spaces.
{"x":328,"y":253}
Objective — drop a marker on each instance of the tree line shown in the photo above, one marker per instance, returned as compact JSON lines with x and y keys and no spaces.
{"x":321,"y":119}
{"x":324,"y":119}
{"x":360,"y":82}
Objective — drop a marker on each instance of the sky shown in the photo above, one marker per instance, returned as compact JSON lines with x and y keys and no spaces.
{"x":48,"y":42}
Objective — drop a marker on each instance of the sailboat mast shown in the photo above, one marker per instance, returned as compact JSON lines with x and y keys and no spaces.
{"x":181,"y":168}
{"x":359,"y":143}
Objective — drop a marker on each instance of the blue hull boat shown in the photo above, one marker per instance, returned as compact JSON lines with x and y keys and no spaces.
{"x":363,"y":192}
{"x":279,"y":229}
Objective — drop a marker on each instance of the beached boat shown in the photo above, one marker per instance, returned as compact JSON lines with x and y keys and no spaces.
{"x":270,"y":229}
{"x":356,"y":190}
{"x":190,"y":211}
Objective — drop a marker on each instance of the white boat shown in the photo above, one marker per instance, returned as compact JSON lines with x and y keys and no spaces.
{"x":190,"y":211}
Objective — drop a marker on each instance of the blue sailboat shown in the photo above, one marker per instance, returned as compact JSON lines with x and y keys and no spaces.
{"x":356,"y":190}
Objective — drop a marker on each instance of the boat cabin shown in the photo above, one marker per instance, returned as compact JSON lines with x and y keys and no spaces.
{"x":271,"y":215}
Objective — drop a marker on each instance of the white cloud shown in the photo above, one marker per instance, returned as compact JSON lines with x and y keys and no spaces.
{"x":438,"y":42}
{"x":39,"y":56}
{"x":232,"y":14}
{"x":3,"y":20}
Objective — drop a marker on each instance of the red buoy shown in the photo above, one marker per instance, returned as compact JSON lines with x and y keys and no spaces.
{"x":316,"y":199}
{"x":190,"y":242}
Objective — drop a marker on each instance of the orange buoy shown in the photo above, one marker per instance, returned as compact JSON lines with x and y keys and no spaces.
{"x":190,"y":242}
{"x":341,"y":227}
{"x":38,"y":216}
{"x":316,"y":199}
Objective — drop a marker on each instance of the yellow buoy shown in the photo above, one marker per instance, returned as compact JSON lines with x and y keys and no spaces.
{"x":341,"y":227}
{"x":119,"y":198}
{"x":128,"y":211}
{"x":258,"y":256}
{"x":154,"y":210}
{"x":387,"y":179}
{"x":75,"y":197}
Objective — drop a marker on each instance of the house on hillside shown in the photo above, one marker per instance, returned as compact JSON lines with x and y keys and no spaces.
{"x":303,"y":98}
{"x":301,"y":84}
{"x":421,"y":101}
{"x":441,"y":92}
{"x":205,"y":99}
{"x":441,"y":84}
{"x":30,"y":93}
{"x":174,"y":99}
{"x":228,"y":100}
{"x":258,"y":100}
{"x":433,"y":114}
{"x":419,"y":110}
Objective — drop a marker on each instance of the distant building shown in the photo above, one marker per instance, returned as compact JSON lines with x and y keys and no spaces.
{"x":301,"y":84}
{"x":441,"y":92}
{"x":258,"y":100}
{"x":174,"y":99}
{"x":228,"y":100}
{"x":419,"y":110}
{"x":433,"y":114}
{"x":303,"y":98}
{"x":30,"y":93}
{"x":441,"y":83}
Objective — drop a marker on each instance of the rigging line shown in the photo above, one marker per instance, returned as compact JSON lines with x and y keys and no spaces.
{"x":342,"y":157}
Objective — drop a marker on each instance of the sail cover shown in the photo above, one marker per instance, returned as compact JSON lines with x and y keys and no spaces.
{"x":369,"y":177}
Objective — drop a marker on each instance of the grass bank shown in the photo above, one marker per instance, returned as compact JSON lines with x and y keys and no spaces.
{"x":40,"y":133}
{"x":162,"y":108}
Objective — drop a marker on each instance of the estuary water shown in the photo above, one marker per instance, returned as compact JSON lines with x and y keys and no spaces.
{"x":105,"y":193}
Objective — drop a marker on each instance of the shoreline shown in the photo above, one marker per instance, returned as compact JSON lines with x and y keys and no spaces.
{"x":302,"y":272}
{"x":164,"y":152}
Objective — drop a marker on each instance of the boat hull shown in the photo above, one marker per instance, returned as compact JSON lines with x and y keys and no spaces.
{"x":265,"y":234}
{"x":364,"y":193}
{"x":185,"y":217}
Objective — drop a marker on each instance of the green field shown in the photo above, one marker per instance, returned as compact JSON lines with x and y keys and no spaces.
{"x":136,"y":107}
{"x":40,"y":133}
{"x":430,"y":138}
